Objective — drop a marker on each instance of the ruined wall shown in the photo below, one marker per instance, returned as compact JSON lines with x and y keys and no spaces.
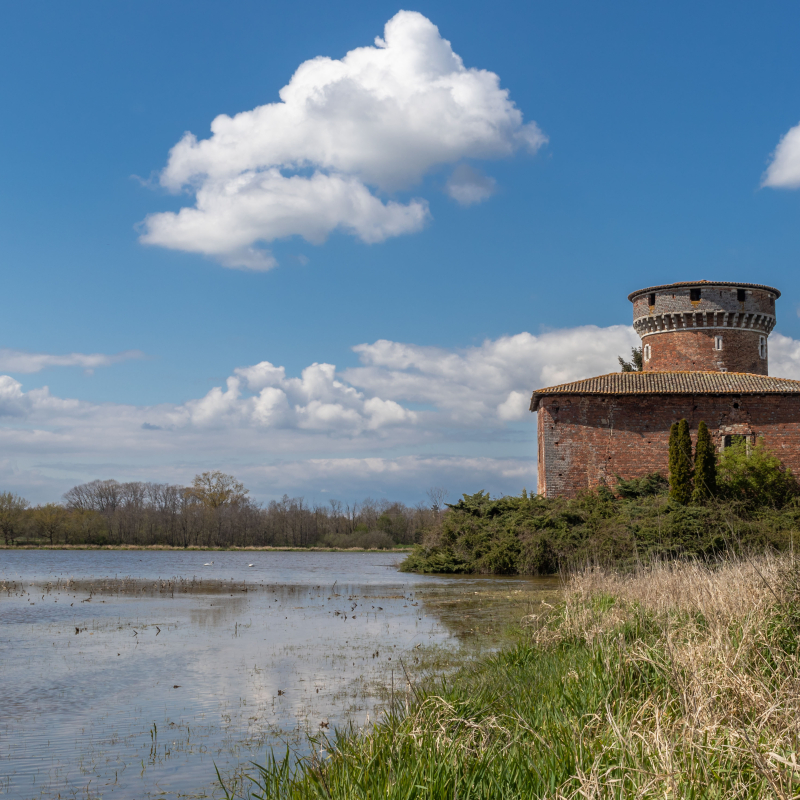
{"x":586,"y":440}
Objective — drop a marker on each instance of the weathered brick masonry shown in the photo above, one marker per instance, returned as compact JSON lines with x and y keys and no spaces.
{"x":677,"y":351}
{"x":704,"y":358}
{"x":587,"y":440}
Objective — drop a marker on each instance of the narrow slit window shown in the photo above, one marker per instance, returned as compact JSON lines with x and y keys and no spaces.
{"x":741,"y":295}
{"x":694,"y":295}
{"x":762,"y":346}
{"x":718,"y":343}
{"x":652,"y":300}
{"x":647,"y":352}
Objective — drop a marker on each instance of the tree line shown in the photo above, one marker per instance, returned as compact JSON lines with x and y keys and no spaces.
{"x":215,"y":511}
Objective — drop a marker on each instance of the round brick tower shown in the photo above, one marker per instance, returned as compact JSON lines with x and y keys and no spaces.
{"x":705,"y":326}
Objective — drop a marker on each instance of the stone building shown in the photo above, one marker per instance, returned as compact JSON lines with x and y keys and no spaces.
{"x":705,"y":358}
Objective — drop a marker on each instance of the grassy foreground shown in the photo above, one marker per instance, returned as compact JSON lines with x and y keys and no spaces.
{"x":676,"y":681}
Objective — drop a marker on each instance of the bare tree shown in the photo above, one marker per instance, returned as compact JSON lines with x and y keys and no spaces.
{"x":437,"y":495}
{"x":215,"y":489}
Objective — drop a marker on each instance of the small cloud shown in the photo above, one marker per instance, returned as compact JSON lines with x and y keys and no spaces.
{"x":784,"y":170}
{"x":21,"y":361}
{"x":468,"y":186}
{"x":148,"y":427}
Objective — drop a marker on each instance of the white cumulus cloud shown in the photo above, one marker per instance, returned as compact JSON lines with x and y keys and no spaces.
{"x":784,"y":356}
{"x":784,"y":169}
{"x":376,"y":121}
{"x":491,"y":383}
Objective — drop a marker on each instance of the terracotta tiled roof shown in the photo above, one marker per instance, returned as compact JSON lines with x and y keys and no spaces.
{"x":624,"y":383}
{"x":704,"y":283}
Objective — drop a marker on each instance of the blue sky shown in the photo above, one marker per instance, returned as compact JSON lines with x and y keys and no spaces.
{"x":656,"y":125}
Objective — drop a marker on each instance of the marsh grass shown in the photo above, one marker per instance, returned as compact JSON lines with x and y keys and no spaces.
{"x":674,"y":681}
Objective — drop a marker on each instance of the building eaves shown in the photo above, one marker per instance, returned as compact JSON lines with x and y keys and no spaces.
{"x":688,"y":383}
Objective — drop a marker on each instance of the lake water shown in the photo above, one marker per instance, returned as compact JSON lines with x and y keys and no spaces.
{"x":133,"y":674}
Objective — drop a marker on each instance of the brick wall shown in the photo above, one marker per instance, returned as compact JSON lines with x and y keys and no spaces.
{"x":584,"y":441}
{"x":694,"y":350}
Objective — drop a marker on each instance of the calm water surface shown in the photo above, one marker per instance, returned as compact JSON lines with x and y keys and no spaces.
{"x":131,"y":674}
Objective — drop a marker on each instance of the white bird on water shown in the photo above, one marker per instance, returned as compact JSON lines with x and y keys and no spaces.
{"x":251,"y":565}
{"x":208,"y":563}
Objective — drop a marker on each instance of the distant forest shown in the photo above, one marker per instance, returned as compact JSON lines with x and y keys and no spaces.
{"x":215,"y":511}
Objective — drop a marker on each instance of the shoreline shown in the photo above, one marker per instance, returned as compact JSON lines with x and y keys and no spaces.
{"x":670,"y":658}
{"x":196,"y":548}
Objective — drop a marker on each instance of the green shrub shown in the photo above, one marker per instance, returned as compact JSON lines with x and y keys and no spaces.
{"x":754,"y":476}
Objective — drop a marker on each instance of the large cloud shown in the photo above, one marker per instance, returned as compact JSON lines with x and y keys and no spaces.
{"x":784,"y":169}
{"x":378,"y":120}
{"x":490,"y":384}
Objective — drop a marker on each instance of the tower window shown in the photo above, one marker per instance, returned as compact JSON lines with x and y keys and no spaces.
{"x":694,"y":295}
{"x":762,"y":346}
{"x":652,"y":299}
{"x":718,"y":343}
{"x":647,"y":352}
{"x":741,"y":295}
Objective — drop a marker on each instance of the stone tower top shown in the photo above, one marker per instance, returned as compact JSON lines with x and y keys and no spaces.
{"x":712,"y":326}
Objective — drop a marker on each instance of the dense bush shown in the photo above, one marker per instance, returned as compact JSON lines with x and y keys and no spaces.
{"x":632,"y":522}
{"x":755,"y":476}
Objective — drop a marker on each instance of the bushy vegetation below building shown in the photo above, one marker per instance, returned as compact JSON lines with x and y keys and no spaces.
{"x":755,"y":504}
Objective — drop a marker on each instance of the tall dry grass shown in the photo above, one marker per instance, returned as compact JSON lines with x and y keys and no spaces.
{"x":720,"y":641}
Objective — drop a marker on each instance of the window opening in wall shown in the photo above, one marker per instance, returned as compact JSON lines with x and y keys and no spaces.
{"x":762,"y":346}
{"x":741,"y":295}
{"x":652,"y":299}
{"x":647,"y":352}
{"x":694,"y":295}
{"x":718,"y":343}
{"x":734,"y":438}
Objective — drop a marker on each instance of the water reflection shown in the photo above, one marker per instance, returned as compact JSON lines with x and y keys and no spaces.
{"x":118,"y":681}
